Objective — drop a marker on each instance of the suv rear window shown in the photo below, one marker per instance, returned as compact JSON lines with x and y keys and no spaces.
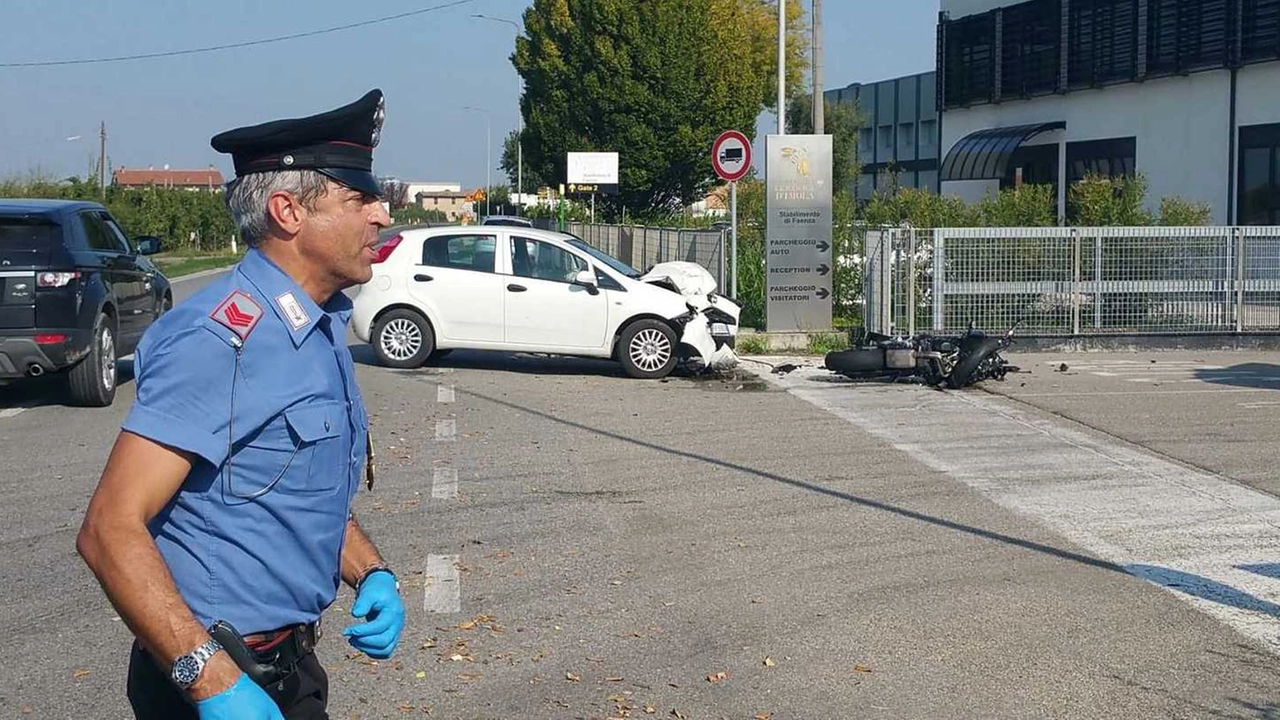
{"x":22,"y":233}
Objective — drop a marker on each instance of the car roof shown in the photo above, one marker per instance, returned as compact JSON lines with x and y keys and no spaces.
{"x":34,"y":206}
{"x":529,"y":232}
{"x":506,"y":219}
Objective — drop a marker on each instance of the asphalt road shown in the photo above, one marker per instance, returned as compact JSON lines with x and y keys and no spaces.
{"x":575,"y":544}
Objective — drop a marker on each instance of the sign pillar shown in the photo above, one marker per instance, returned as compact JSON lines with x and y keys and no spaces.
{"x":799,"y":267}
{"x":731,"y":159}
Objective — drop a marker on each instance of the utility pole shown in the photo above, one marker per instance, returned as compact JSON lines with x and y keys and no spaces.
{"x":102,"y":162}
{"x":819,"y":102}
{"x":782,"y":67}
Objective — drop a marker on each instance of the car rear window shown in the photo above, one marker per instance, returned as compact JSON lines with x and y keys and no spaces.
{"x":25,"y":233}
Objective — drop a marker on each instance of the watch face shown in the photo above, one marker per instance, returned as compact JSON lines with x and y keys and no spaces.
{"x":186,"y":670}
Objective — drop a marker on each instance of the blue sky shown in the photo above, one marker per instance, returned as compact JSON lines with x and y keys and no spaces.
{"x":164,"y":111}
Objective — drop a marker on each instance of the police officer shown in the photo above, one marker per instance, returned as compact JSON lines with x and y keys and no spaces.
{"x":222,"y":525}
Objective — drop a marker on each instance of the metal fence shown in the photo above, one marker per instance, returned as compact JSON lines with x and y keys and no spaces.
{"x":642,"y":247}
{"x":1074,"y":281}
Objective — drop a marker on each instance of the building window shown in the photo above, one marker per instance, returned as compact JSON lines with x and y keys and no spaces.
{"x":1103,"y":42}
{"x":1114,"y":157}
{"x":969,"y":75}
{"x":1186,"y":35}
{"x":1030,"y":48}
{"x":1260,"y":30}
{"x":1258,"y":189}
{"x":1038,"y":165}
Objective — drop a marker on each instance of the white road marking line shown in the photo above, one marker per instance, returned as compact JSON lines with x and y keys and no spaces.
{"x":446,"y":430}
{"x":1259,"y":404}
{"x":11,"y":412}
{"x":442,"y":586}
{"x":1183,"y":529}
{"x":445,"y":394}
{"x":444,"y":484}
{"x":1105,"y":374}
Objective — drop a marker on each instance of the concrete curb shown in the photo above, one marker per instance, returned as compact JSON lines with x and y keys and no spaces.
{"x":202,"y":273}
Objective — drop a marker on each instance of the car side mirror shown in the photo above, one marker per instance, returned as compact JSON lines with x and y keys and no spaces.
{"x":147,"y":245}
{"x":587,"y":279}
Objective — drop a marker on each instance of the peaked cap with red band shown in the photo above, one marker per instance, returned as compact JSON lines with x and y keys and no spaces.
{"x":338,"y":143}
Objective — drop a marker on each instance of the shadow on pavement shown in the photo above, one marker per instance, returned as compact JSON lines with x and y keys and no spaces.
{"x":530,"y":364}
{"x":1204,"y":588}
{"x":1262,"y":376}
{"x":51,"y":390}
{"x":815,"y":488}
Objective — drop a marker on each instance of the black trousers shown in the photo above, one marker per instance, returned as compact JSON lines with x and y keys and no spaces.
{"x":301,"y":695}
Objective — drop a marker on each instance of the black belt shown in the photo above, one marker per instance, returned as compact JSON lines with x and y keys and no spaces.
{"x":268,"y":657}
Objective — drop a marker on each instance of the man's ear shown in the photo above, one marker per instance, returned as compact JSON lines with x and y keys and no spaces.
{"x":285,"y":212}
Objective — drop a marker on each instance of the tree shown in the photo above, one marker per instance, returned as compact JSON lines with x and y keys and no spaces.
{"x":655,"y":81}
{"x":394,"y":192}
{"x":510,"y":164}
{"x":842,"y":122}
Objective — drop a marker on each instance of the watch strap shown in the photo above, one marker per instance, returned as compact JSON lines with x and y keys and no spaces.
{"x":377,"y":568}
{"x":201,"y":656}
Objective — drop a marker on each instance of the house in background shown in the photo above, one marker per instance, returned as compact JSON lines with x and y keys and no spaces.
{"x":209,"y":179}
{"x":453,"y":203}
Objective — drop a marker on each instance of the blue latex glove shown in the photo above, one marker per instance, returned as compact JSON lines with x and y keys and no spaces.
{"x":379,"y":603}
{"x":242,"y":701}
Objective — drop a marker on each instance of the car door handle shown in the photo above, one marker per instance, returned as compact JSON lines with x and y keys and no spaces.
{"x":422,"y":278}
{"x":516,"y":288}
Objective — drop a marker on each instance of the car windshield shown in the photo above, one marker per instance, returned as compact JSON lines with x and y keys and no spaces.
{"x":614,"y":263}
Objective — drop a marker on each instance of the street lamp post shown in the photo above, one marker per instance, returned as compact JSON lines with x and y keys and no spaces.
{"x":519,"y":121}
{"x":488,"y":158}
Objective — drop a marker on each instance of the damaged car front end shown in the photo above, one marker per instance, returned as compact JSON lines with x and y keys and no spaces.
{"x":709,"y":329}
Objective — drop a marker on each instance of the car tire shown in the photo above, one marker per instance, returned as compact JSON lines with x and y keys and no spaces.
{"x":92,"y":382}
{"x":403,"y":339}
{"x":647,"y":349}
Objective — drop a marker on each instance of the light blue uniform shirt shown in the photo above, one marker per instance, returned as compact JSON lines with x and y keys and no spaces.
{"x":242,"y":549}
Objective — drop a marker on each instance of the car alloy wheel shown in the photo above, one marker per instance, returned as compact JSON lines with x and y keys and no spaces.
{"x":401,"y":339}
{"x":108,"y":360}
{"x":650,"y":350}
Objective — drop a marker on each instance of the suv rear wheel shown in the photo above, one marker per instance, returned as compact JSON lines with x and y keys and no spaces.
{"x":403,"y":339}
{"x":93,"y":381}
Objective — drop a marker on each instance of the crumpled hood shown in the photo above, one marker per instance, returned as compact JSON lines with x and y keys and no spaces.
{"x":685,"y":278}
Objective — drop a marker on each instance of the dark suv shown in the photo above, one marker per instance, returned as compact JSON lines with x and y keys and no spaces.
{"x":75,"y":294}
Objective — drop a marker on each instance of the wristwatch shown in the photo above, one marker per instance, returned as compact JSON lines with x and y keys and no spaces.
{"x":188,"y":667}
{"x":380,"y":567}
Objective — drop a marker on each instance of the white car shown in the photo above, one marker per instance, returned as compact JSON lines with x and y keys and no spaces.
{"x":516,"y":289}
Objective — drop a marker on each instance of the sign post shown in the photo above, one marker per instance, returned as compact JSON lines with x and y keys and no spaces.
{"x":731,"y":158}
{"x":798,"y":233}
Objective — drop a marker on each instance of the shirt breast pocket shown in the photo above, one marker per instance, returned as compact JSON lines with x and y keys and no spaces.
{"x":299,"y":452}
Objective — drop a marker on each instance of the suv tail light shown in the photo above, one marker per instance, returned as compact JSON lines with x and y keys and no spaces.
{"x":55,"y":279}
{"x":386,"y":248}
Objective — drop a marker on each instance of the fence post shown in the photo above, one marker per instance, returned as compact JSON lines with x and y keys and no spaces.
{"x":911,"y":282}
{"x":1097,"y":279}
{"x":1240,"y":279}
{"x":939,"y":261}
{"x":1076,"y":290}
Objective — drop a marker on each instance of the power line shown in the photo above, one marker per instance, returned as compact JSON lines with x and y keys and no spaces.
{"x":233,"y":46}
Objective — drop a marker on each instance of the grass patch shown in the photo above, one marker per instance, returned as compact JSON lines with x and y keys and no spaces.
{"x":823,"y":343}
{"x":178,"y":265}
{"x":752,"y":345}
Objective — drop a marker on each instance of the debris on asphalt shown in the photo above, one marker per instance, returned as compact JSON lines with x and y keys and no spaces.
{"x":1063,"y":368}
{"x":785,"y":368}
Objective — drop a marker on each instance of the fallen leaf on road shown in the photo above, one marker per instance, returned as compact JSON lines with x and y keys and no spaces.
{"x":678,"y":714}
{"x":649,"y":710}
{"x":770,"y":662}
{"x":613,"y":679}
{"x":406,"y":708}
{"x":469,"y":676}
{"x":717,"y":677}
{"x":861,"y":668}
{"x":764,"y":716}
{"x":27,"y":709}
{"x":572,"y":678}
{"x":430,"y":643}
{"x":82,"y":673}
{"x":420,"y":675}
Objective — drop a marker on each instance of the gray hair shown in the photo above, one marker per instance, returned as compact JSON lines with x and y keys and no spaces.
{"x":247,"y":198}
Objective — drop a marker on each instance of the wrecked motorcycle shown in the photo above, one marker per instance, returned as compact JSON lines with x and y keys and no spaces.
{"x":953,"y":361}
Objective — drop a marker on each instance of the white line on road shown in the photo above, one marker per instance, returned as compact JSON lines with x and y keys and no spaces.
{"x":198,"y":275}
{"x":446,"y":430}
{"x":445,"y":394}
{"x":1191,"y":532}
{"x":442,"y":586}
{"x":444,"y":486}
{"x":1106,"y":393}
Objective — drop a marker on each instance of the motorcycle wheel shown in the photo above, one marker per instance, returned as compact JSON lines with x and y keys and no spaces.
{"x":962,"y":374}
